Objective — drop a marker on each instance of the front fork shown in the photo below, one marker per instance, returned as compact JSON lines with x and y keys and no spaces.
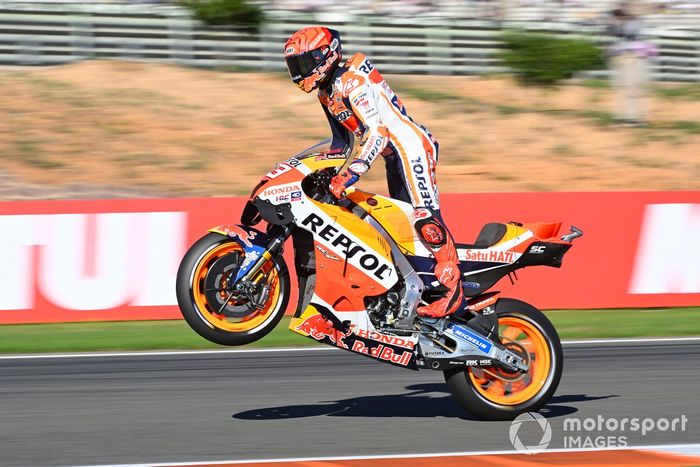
{"x":273,"y":248}
{"x":246,"y":285}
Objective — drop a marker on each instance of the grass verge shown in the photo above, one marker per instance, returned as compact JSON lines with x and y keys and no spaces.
{"x":152,"y":335}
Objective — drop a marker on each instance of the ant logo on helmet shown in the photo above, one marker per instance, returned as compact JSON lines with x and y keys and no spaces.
{"x":289,"y":50}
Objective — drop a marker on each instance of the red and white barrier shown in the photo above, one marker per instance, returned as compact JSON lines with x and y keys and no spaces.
{"x":117,"y":259}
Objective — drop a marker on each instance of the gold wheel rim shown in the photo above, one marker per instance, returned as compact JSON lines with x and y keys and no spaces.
{"x":268,"y":275}
{"x":502,"y":392}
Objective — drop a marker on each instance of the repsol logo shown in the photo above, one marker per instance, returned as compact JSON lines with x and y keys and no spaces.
{"x":423,"y":186}
{"x":367,"y":260}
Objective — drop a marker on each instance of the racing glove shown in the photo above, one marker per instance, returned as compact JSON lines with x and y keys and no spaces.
{"x":348,"y":177}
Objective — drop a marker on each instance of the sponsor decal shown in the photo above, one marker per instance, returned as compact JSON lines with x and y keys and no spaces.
{"x":362,"y":101}
{"x":490,"y":256}
{"x":386,"y":339}
{"x":537,"y":249}
{"x":326,"y":253}
{"x":319,"y":37}
{"x":424,"y":189}
{"x":468,"y":335}
{"x":390,"y":349}
{"x":296,"y":196}
{"x":366,"y":66}
{"x":472,"y":362}
{"x":384,"y":353}
{"x":349,"y":85}
{"x":330,"y":156}
{"x":280,"y":190}
{"x":319,"y":328}
{"x":375,"y":144}
{"x":471,"y":285}
{"x":420,"y":213}
{"x":236,"y":231}
{"x":250,"y":257}
{"x":347,"y":248}
{"x":289,"y":50}
{"x":281,"y":199}
{"x":323,"y":68}
{"x":343,"y":115}
{"x":483,"y":303}
{"x":482,"y":362}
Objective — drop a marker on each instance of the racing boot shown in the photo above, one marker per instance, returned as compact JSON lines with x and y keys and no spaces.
{"x":433,"y":232}
{"x":450,"y":277}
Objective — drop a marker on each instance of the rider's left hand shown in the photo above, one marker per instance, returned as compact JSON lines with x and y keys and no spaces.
{"x":341,"y":181}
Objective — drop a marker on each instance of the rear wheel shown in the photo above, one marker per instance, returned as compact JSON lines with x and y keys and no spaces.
{"x":494,"y":394}
{"x":210,"y":304}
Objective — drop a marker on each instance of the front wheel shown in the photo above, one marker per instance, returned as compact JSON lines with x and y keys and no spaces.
{"x":209,"y":303}
{"x":494,"y":394}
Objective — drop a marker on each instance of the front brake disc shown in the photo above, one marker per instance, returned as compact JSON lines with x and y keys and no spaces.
{"x":219,"y":292}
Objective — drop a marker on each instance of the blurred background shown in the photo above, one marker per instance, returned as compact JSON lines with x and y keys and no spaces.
{"x":109,"y":99}
{"x":580,"y":111}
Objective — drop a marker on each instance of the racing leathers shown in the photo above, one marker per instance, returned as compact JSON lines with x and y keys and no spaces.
{"x":360,"y":104}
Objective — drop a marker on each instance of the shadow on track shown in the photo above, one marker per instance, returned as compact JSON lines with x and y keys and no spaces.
{"x":422,"y":400}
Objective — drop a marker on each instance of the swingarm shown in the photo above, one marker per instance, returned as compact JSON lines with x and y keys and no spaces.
{"x":443,"y":344}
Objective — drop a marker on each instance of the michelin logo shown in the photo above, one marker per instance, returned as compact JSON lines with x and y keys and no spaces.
{"x":473,"y":338}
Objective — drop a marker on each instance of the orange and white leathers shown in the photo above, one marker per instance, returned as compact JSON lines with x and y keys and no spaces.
{"x":360,"y":104}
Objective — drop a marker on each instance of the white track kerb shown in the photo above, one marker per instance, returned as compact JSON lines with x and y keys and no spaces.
{"x":167,"y":353}
{"x":686,"y":449}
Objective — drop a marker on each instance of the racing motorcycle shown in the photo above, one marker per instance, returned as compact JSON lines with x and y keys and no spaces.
{"x":362,"y":272}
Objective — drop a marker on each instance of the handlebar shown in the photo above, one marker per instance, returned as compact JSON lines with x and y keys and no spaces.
{"x":316,"y":185}
{"x":575,"y":233}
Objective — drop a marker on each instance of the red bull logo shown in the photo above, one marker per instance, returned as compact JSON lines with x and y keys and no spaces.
{"x":383,"y":352}
{"x":319,"y":328}
{"x":240,"y":233}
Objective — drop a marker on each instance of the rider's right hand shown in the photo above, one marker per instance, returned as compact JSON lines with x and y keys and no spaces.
{"x":341,"y":181}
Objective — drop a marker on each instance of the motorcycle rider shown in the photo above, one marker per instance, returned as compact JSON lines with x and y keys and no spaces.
{"x":358,"y":103}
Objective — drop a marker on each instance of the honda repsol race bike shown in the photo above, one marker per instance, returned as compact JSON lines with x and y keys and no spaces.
{"x":362,"y":272}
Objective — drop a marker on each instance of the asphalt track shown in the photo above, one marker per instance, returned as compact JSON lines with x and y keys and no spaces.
{"x":176,"y":408}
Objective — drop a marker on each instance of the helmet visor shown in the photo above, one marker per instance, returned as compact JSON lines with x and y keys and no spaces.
{"x":300,"y":66}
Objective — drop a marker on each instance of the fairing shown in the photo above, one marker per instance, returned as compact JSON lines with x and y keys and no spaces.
{"x":365,"y":247}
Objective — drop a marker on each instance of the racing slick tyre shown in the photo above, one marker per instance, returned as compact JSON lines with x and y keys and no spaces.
{"x":495,"y":394}
{"x":212,"y":307}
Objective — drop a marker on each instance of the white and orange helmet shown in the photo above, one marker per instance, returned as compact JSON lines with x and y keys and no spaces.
{"x":312,"y":54}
